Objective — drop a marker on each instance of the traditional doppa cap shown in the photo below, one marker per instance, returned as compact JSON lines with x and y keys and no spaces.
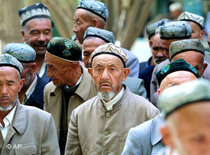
{"x":174,"y":98}
{"x":9,"y":60}
{"x":178,"y":65}
{"x":37,"y":10}
{"x":110,"y":48}
{"x":107,"y":36}
{"x":21,"y":51}
{"x":187,"y":16}
{"x":65,"y":49}
{"x":175,"y":30}
{"x":180,"y":46}
{"x":151,"y":29}
{"x":95,"y":7}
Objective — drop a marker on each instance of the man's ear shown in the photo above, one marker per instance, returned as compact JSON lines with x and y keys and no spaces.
{"x":150,"y":43}
{"x":90,"y":71}
{"x":205,"y":65}
{"x":33,"y":67}
{"x":23,"y":34}
{"x":126,"y":73}
{"x":22,"y":81}
{"x":158,"y":91}
{"x":167,"y":136}
{"x":202,"y":34}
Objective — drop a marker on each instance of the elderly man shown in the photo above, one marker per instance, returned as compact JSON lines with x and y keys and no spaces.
{"x":37,"y":32}
{"x":186,"y":131}
{"x":71,"y":83}
{"x":158,"y":54}
{"x":95,"y":37}
{"x":145,"y":139}
{"x":95,"y":13}
{"x":24,"y":129}
{"x":100,"y":125}
{"x":33,"y":88}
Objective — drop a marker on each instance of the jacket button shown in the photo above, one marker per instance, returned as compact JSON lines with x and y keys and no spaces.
{"x":108,"y":115}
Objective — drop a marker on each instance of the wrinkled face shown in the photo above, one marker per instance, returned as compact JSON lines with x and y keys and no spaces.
{"x":176,"y":78}
{"x":108,"y":73}
{"x":158,"y":52}
{"x":10,"y":85}
{"x":197,"y":33}
{"x":58,"y":70}
{"x":196,"y":59}
{"x":190,"y":129}
{"x":81,"y":23}
{"x":37,"y":33}
{"x":89,"y":45}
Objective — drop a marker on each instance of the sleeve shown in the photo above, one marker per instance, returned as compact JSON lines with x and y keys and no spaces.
{"x":45,"y":99}
{"x":73,"y":144}
{"x":142,"y":90}
{"x":153,"y":86}
{"x":50,"y":144}
{"x":132,"y":144}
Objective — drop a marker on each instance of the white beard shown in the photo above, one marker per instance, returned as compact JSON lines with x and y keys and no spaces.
{"x":105,"y":96}
{"x":7,"y":108}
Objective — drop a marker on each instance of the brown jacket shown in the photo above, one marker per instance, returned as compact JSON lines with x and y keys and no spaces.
{"x":94,"y":130}
{"x":32,"y":132}
{"x":53,"y":97}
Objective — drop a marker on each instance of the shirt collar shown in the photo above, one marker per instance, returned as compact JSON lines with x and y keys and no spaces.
{"x":42,"y":70}
{"x":9,"y":117}
{"x":110,"y":104}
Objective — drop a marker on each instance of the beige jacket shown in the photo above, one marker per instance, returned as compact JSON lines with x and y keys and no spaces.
{"x":93,"y":130}
{"x":32,"y":132}
{"x":53,"y":97}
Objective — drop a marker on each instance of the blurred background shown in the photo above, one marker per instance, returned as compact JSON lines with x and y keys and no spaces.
{"x":127,"y":19}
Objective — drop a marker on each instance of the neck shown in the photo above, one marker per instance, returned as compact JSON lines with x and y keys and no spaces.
{"x":77,"y":74}
{"x":39,"y":61}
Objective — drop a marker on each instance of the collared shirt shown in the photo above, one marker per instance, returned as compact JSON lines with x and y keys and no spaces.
{"x":110,"y":104}
{"x":42,"y":70}
{"x":30,"y":90}
{"x":7,"y":122}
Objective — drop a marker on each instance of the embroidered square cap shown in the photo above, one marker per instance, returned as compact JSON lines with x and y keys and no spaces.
{"x":185,"y":45}
{"x":65,"y":49}
{"x":95,"y":7}
{"x":9,"y":60}
{"x":38,"y":10}
{"x":178,"y":65}
{"x":21,"y":51}
{"x":110,"y":48}
{"x":176,"y":30}
{"x":176,"y":97}
{"x":106,"y":35}
{"x":187,"y":16}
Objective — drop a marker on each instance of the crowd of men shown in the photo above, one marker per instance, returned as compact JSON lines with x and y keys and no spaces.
{"x":87,"y":96}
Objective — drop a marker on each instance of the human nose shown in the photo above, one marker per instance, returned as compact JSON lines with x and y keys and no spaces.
{"x":105,"y":75}
{"x":41,"y":37}
{"x":4,"y":90}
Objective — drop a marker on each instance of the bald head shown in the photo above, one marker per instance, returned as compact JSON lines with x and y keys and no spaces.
{"x":176,"y":78}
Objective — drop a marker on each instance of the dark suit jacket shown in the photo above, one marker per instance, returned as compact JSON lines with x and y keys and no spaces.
{"x":36,"y":98}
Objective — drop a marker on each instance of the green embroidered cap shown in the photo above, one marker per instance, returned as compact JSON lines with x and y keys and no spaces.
{"x":65,"y":49}
{"x":174,"y":66}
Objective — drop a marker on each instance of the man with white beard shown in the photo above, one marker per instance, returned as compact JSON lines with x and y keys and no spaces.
{"x":101,"y":124}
